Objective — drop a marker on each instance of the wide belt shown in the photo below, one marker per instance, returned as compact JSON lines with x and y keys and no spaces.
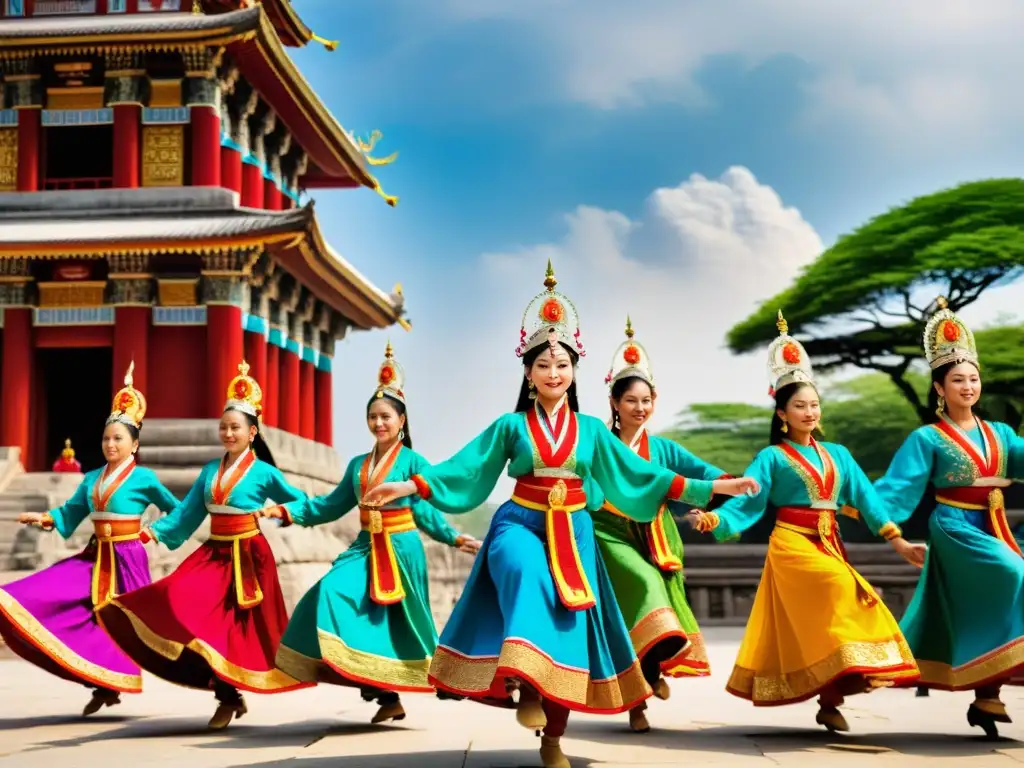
{"x":655,"y":535}
{"x":104,"y":569}
{"x":985,"y":499}
{"x":558,"y":498}
{"x":386,"y":586}
{"x":240,"y":530}
{"x":821,"y":524}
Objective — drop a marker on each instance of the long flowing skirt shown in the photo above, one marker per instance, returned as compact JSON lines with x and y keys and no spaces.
{"x":510,"y":623}
{"x":965,"y":623}
{"x":653,"y":602}
{"x":339,"y":635}
{"x":811,"y":627}
{"x":188,"y":627}
{"x":48,"y":619}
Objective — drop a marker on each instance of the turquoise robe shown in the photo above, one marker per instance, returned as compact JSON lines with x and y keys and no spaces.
{"x":510,"y":621}
{"x":130,"y":500}
{"x":338,"y":624}
{"x":965,"y":622}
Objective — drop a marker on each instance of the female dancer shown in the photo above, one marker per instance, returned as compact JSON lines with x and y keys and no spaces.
{"x":538,"y":612}
{"x":645,"y":562}
{"x":816,"y":626}
{"x":49,"y":618}
{"x":965,"y":623}
{"x":217,"y":620}
{"x":367,"y":623}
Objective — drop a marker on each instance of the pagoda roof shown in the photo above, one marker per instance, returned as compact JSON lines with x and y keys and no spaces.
{"x":99,"y":223}
{"x":290,"y":27}
{"x":250,"y":37}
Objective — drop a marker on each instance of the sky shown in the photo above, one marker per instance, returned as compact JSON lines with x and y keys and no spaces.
{"x":677,"y":160}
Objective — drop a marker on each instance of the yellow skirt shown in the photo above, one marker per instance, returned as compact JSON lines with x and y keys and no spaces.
{"x":815,"y":622}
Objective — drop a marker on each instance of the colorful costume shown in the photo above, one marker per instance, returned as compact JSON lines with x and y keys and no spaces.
{"x":645,"y":562}
{"x":67,"y":461}
{"x":965,"y":623}
{"x":220,"y":615}
{"x":49,"y":617}
{"x":816,"y":625}
{"x":538,"y":607}
{"x":367,"y":623}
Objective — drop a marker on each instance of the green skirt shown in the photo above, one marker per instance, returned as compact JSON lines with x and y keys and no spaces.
{"x":339,"y":635}
{"x":652,"y":601}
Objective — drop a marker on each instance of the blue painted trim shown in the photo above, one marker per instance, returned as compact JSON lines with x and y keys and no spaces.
{"x":255,"y":324}
{"x":73,"y":316}
{"x":62,"y":117}
{"x":309,"y":355}
{"x":227,"y":141}
{"x":179,"y":315}
{"x":8,"y":117}
{"x":165,"y":115}
{"x":277,"y":337}
{"x":251,"y":159}
{"x":293,"y":346}
{"x":324,"y":363}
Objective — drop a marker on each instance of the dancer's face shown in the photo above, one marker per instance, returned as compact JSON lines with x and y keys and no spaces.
{"x":635,"y":406}
{"x":803,"y":411}
{"x":551,"y":374}
{"x":118,"y":444}
{"x":384,"y":421}
{"x":961,"y":386}
{"x":236,"y":433}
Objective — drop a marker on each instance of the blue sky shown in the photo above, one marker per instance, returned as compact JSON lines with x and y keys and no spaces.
{"x":509,"y":116}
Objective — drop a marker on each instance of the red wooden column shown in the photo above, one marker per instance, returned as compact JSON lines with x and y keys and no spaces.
{"x":272,"y":389}
{"x":307,"y":393}
{"x":252,"y":183}
{"x":225,"y":349}
{"x":256,"y":352}
{"x":127,"y":152}
{"x":324,"y":401}
{"x":131,"y":342}
{"x":288,"y":408}
{"x":230,"y":168}
{"x":29,"y":135}
{"x":16,"y":380}
{"x":206,"y":150}
{"x":271,"y":195}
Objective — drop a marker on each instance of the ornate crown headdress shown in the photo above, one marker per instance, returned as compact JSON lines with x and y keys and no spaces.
{"x":68,"y":452}
{"x":129,"y":404}
{"x":550,"y":317}
{"x":787,"y":360}
{"x":947,"y":339}
{"x":391,"y":377}
{"x":630,"y":360}
{"x":245,"y":393}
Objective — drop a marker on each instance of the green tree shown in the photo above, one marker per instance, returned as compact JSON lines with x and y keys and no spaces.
{"x":858,"y":297}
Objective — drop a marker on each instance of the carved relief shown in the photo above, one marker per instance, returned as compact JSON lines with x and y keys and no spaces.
{"x":8,"y":159}
{"x":128,"y":264}
{"x":163,"y":155}
{"x":225,"y":290}
{"x":84,"y":293}
{"x":203,"y":92}
{"x":178,"y":292}
{"x":131,"y":291}
{"x":16,"y":294}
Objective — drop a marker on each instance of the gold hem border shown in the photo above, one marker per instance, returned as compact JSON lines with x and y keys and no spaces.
{"x":659,"y":624}
{"x":373,"y":669}
{"x":1000,"y":663}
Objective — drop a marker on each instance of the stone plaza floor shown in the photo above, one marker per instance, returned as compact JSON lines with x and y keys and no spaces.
{"x":328,"y":727}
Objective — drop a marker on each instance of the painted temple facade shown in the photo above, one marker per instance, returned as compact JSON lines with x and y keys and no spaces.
{"x":154,"y":159}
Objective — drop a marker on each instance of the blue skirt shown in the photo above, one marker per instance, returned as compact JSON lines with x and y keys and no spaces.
{"x":965,"y":624}
{"x":510,"y":623}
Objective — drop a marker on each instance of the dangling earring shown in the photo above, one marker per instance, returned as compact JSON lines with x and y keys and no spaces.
{"x":617,"y":425}
{"x":942,"y":407}
{"x":532,"y":388}
{"x":401,"y":435}
{"x":785,"y":427}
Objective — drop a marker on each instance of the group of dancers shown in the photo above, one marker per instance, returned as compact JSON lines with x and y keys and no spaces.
{"x":576,"y":599}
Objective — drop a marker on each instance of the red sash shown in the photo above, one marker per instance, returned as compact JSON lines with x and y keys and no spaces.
{"x":104,"y":572}
{"x":386,"y":586}
{"x":239,"y":530}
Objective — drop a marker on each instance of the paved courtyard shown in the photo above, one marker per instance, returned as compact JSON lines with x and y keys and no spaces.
{"x":328,"y":728}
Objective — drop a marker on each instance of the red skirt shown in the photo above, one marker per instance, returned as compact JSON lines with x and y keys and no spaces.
{"x":189,"y":627}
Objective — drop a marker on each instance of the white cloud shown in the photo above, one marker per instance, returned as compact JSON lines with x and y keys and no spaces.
{"x":698,"y":260}
{"x":933,"y":70}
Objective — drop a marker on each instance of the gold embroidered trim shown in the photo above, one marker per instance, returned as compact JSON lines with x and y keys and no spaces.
{"x":46,"y":642}
{"x":657,"y":625}
{"x":269,"y":681}
{"x":692,"y":661}
{"x":474,"y":676}
{"x":809,"y":483}
{"x":373,"y":669}
{"x":992,"y":666}
{"x":297,"y":665}
{"x":887,"y":660}
{"x":966,"y":471}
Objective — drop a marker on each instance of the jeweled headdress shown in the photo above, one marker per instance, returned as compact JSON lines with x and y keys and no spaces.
{"x":788,"y":362}
{"x":245,"y":394}
{"x":391,"y":377}
{"x":630,"y":360}
{"x":947,"y":339}
{"x":550,"y":318}
{"x":129,"y":404}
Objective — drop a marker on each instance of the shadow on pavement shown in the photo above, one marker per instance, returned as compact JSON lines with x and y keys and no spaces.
{"x":448,"y":759}
{"x":51,"y":721}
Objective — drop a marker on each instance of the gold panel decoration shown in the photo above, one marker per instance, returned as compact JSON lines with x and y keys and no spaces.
{"x":82,"y":97}
{"x":8,"y":159}
{"x":82,"y":293}
{"x":177,"y":292}
{"x":163,"y":155}
{"x":164,"y":93}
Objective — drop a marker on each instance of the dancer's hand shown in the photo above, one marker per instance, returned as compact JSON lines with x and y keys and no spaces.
{"x":702,"y":521}
{"x":39,"y":519}
{"x":468,"y":544}
{"x":912,"y":553}
{"x":388,"y":492}
{"x":736,"y":486}
{"x":276,"y":512}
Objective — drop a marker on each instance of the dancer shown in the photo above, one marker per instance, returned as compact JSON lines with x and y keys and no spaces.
{"x":965,"y":623}
{"x":538,"y":612}
{"x":367,"y":623}
{"x":49,"y":618}
{"x":217,"y":620}
{"x":645,"y":562}
{"x":817,"y":628}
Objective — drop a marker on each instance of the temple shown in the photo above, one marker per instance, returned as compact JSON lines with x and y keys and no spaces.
{"x":154,"y":158}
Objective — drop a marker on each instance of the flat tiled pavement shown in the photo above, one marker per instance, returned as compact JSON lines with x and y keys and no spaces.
{"x":328,"y":727}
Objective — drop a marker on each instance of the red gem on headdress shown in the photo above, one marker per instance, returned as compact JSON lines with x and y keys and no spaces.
{"x":387,"y":374}
{"x":125,"y":400}
{"x":631,"y":355}
{"x":552,"y":311}
{"x":771,"y":391}
{"x":950,"y":331}
{"x":608,"y":378}
{"x":791,"y":354}
{"x":241,"y":389}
